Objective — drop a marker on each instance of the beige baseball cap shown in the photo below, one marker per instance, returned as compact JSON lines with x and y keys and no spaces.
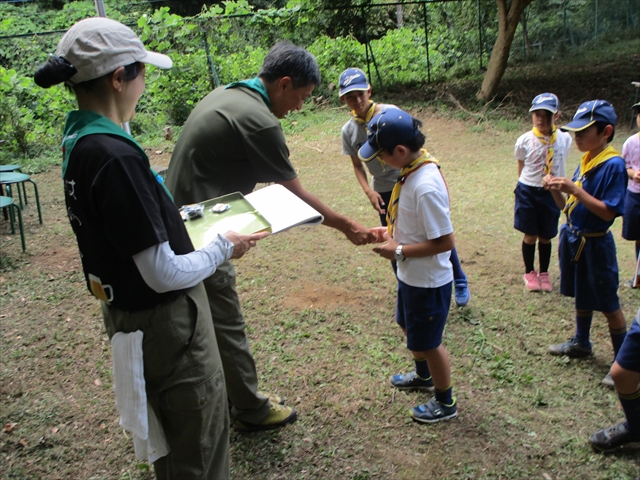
{"x":97,"y":46}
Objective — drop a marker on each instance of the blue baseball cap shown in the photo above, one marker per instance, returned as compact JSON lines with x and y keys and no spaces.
{"x":352,"y":79}
{"x":386,"y":130}
{"x":591,"y":112}
{"x":546,"y":101}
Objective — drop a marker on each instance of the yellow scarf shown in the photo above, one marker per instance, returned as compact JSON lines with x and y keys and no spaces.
{"x":367,"y":116}
{"x":586,"y":165}
{"x":550,"y":145}
{"x":365,"y":121}
{"x":392,"y":208}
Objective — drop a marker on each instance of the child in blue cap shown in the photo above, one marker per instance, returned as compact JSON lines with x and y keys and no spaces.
{"x":355,"y":92}
{"x":419,"y":236}
{"x":587,"y":251}
{"x":626,"y":376}
{"x":542,"y":150}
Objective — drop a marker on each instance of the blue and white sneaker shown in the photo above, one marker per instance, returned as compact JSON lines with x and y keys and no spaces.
{"x":434,"y":411}
{"x":462,"y":294}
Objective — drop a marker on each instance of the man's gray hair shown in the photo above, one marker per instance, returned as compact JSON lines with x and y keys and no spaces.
{"x":288,"y":60}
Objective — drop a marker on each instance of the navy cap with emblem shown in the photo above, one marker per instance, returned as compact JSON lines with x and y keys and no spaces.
{"x":591,"y":112}
{"x":352,"y":79}
{"x":545,"y":101}
{"x":386,"y":130}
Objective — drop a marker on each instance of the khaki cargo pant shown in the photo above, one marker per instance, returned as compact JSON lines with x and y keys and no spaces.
{"x":237,"y":361}
{"x":185,"y":383}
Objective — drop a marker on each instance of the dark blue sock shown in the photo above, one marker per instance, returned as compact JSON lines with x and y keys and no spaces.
{"x":458,"y":273}
{"x":422,"y":369}
{"x":617,"y":337}
{"x":631,"y":407}
{"x":583,"y":327}
{"x":445,"y":397}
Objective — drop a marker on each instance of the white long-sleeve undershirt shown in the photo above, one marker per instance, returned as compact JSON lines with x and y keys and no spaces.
{"x":164,"y":271}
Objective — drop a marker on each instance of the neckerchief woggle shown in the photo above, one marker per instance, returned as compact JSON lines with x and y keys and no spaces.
{"x":80,"y":123}
{"x":254,"y":84}
{"x":550,"y":143}
{"x":392,"y":209}
{"x":587,"y":164}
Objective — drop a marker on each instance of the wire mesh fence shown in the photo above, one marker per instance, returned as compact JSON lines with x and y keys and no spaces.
{"x":398,"y":43}
{"x":409,"y":41}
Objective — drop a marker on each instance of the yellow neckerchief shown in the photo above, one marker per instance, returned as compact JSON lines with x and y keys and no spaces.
{"x":550,"y":145}
{"x":365,"y":121}
{"x":392,"y":208}
{"x":586,"y":165}
{"x":367,"y":116}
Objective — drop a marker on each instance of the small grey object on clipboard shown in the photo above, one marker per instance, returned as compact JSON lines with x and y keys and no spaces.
{"x":273,"y":209}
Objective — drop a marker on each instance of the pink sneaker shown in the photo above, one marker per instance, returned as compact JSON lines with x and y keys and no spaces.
{"x":531,"y":282}
{"x":545,"y":284}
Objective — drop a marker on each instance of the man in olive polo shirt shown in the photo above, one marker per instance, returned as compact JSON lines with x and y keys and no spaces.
{"x":231,"y":141}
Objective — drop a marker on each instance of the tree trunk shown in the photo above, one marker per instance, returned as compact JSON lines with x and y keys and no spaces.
{"x":508,"y":19}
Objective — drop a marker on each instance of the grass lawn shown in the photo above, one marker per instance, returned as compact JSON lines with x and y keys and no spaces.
{"x":320,"y":317}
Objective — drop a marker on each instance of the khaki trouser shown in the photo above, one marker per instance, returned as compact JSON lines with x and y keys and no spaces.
{"x":184,"y":382}
{"x":237,"y":361}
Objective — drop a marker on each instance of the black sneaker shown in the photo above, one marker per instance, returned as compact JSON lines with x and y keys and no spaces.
{"x":434,"y":411}
{"x":570,"y":348}
{"x":610,"y":438}
{"x":411,"y":381}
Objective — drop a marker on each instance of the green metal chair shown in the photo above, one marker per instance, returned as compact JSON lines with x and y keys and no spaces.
{"x":8,"y":179}
{"x":8,"y":203}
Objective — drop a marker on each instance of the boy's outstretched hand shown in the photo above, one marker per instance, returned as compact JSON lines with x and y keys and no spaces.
{"x":381,"y":234}
{"x":388,"y":249}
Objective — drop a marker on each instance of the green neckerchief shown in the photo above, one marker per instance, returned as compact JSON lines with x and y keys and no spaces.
{"x":81,"y":123}
{"x":256,"y":85}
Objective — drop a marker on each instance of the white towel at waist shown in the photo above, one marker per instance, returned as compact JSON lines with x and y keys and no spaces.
{"x":136,"y":415}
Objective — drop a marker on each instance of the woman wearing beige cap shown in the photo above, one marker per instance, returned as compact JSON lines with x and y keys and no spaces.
{"x":138,"y":259}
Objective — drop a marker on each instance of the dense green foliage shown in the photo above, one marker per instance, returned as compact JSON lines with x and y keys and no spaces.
{"x":437,"y":42}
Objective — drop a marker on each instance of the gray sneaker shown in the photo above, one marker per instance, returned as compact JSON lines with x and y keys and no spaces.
{"x":570,"y":348}
{"x":434,"y":411}
{"x":610,"y":438}
{"x":411,"y":381}
{"x":608,"y":381}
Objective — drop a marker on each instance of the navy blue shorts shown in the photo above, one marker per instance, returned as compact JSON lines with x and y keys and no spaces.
{"x":631,"y":218}
{"x":422,"y":312}
{"x":535,"y":212}
{"x":593,"y":279}
{"x":629,"y":355}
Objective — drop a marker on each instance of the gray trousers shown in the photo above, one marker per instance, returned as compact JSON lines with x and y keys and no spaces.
{"x":184,"y":382}
{"x":237,"y":361}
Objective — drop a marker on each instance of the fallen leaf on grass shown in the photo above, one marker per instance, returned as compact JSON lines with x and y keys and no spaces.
{"x":9,"y":427}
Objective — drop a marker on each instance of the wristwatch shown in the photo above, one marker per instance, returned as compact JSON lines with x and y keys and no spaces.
{"x":399,"y":255}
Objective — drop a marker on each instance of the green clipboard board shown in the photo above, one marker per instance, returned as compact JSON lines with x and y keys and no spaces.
{"x":240,"y":217}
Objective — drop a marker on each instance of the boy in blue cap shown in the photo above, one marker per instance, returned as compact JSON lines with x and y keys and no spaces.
{"x":587,"y":251}
{"x":626,"y":376}
{"x":542,"y":150}
{"x":355,"y":92}
{"x":419,"y":236}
